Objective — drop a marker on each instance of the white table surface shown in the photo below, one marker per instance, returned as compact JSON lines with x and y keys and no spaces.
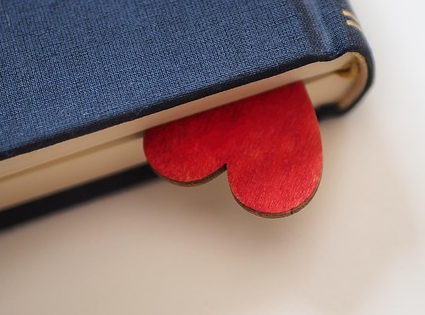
{"x":358,"y":248}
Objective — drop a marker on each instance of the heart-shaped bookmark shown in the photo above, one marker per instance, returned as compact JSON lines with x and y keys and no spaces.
{"x":270,"y":145}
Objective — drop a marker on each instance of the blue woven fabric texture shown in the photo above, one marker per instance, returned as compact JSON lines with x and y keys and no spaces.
{"x":68,"y":68}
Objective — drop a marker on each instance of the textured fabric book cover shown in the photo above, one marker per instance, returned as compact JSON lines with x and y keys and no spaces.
{"x":68,"y":68}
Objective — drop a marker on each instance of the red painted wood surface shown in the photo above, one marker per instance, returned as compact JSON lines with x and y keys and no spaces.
{"x":270,"y":145}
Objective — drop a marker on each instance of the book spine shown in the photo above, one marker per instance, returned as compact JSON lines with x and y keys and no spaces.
{"x":340,"y":27}
{"x":330,"y":29}
{"x":358,"y":41}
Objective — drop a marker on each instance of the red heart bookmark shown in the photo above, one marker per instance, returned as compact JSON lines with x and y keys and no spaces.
{"x":270,"y":145}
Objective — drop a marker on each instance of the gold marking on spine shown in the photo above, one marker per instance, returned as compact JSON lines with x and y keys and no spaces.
{"x":350,"y":15}
{"x":352,"y":23}
{"x":351,"y":19}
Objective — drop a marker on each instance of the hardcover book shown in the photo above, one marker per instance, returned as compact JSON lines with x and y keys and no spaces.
{"x":81,"y":80}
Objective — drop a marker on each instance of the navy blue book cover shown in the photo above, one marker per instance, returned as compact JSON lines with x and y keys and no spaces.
{"x":68,"y":68}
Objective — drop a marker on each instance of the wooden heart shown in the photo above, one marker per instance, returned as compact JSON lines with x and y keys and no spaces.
{"x":270,"y":145}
